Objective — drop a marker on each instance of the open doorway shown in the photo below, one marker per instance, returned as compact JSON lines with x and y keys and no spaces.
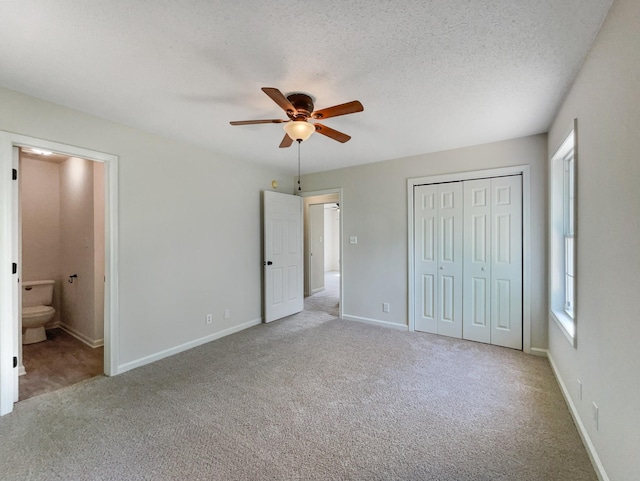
{"x":10,"y":286}
{"x":322,"y":252}
{"x":61,"y":270}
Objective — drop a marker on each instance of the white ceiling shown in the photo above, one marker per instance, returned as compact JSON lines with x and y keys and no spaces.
{"x":431,"y":74}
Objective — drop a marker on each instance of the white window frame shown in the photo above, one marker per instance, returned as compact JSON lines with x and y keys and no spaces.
{"x":563,"y":238}
{"x":568,"y":199}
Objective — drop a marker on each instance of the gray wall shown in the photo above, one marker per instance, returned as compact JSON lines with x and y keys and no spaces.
{"x":189,"y":226}
{"x":331,"y":239}
{"x":605,"y":99}
{"x":374,"y":208}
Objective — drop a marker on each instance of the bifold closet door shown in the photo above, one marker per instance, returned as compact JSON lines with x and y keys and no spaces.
{"x":438,"y":258}
{"x":506,"y":262}
{"x":492,"y":285}
{"x":476,"y":290}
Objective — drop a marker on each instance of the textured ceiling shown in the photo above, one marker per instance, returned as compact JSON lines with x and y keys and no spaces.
{"x":431,"y":74}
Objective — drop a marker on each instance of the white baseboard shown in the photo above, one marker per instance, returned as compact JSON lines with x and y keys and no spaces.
{"x":377,"y":322}
{"x":586,"y":440}
{"x":81,"y":337}
{"x":21,"y":370}
{"x":539,"y":352}
{"x":186,"y":346}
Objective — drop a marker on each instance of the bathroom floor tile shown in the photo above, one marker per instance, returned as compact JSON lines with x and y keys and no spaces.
{"x":60,"y":361}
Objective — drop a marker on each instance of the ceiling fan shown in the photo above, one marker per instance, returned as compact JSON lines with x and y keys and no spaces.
{"x":299,"y":109}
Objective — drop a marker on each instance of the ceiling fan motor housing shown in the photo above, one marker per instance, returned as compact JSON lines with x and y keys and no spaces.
{"x":303,"y":103}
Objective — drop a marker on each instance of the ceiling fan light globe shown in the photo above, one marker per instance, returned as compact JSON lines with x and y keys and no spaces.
{"x":299,"y":129}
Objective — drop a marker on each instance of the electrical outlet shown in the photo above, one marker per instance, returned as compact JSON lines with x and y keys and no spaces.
{"x":209,"y":318}
{"x":227,"y":313}
{"x":385,"y":307}
{"x":596,"y":416}
{"x":579,"y":389}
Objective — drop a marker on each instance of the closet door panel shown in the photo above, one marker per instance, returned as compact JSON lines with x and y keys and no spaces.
{"x":506,"y":265}
{"x":450,"y":255}
{"x":477,"y":261}
{"x":425,"y":257}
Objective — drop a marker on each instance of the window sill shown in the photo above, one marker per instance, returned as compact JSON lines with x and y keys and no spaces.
{"x":566,"y":324}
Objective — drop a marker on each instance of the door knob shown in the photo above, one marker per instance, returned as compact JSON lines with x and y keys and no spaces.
{"x":268,"y":263}
{"x":441,"y":267}
{"x":483,"y":269}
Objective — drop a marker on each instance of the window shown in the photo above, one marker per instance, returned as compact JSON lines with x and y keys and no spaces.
{"x":562,"y":230}
{"x":568,"y":201}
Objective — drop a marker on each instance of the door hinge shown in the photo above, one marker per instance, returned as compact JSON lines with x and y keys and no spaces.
{"x":14,"y":174}
{"x":14,"y":268}
{"x":15,"y":361}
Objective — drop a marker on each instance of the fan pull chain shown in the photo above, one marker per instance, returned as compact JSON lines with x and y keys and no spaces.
{"x":299,"y":188}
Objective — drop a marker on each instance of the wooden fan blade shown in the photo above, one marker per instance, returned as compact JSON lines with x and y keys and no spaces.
{"x":342,"y":109}
{"x":279,"y":98}
{"x":286,"y":141}
{"x":251,"y":122}
{"x":334,"y":134}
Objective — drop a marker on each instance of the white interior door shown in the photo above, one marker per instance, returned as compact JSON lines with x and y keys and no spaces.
{"x":506,"y":262}
{"x":438,"y":258}
{"x":9,"y":288}
{"x":283,"y":255}
{"x":17,"y":282}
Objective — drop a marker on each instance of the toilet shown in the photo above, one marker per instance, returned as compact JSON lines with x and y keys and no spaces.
{"x":36,"y":310}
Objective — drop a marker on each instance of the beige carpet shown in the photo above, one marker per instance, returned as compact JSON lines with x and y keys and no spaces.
{"x":309,"y":397}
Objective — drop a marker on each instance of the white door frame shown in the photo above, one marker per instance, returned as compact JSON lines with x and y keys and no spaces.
{"x":524,"y":170}
{"x":337,"y":190}
{"x":9,"y":322}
